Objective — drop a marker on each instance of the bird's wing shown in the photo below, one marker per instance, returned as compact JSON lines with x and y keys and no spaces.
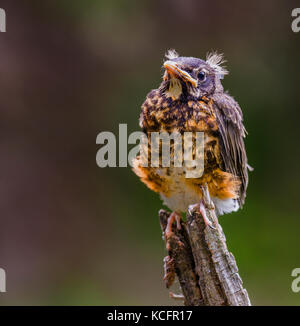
{"x":232,"y":132}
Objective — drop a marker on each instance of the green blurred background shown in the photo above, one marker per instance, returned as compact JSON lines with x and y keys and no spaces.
{"x":73,"y":233}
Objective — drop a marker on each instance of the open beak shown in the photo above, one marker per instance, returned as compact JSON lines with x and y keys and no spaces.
{"x":174,"y":69}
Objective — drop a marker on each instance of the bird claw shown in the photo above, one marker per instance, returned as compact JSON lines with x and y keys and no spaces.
{"x":173,"y":217}
{"x":210,"y":205}
{"x":193,"y":208}
{"x":176,"y":296}
{"x":211,"y":226}
{"x":201,"y":209}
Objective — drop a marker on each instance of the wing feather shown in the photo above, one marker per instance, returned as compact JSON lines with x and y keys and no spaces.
{"x":231,"y":133}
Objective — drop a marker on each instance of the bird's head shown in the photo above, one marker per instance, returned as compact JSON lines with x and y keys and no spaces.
{"x":187,"y":77}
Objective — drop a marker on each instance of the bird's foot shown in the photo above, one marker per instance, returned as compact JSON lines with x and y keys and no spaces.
{"x":193,"y":208}
{"x":176,"y":296}
{"x":174,"y":216}
{"x":201,"y":209}
{"x":210,"y":205}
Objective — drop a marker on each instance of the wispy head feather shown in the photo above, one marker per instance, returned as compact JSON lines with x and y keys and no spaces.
{"x":171,"y":54}
{"x":216,"y":60}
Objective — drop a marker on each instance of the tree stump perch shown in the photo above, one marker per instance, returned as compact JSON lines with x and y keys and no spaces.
{"x":198,"y":256}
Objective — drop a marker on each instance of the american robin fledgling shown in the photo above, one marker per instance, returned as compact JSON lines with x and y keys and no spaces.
{"x":191,"y":98}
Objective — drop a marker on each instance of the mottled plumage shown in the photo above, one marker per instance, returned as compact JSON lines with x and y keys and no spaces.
{"x":191,"y":98}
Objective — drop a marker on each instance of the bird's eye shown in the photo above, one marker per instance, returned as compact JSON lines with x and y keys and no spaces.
{"x":202,"y":76}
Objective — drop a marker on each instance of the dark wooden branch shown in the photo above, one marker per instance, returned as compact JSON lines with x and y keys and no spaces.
{"x":180,"y":262}
{"x":198,"y":256}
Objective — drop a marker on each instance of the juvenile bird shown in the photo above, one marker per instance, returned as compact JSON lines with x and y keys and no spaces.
{"x":191,"y":98}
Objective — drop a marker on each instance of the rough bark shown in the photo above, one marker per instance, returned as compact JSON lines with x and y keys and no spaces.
{"x":198,"y":256}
